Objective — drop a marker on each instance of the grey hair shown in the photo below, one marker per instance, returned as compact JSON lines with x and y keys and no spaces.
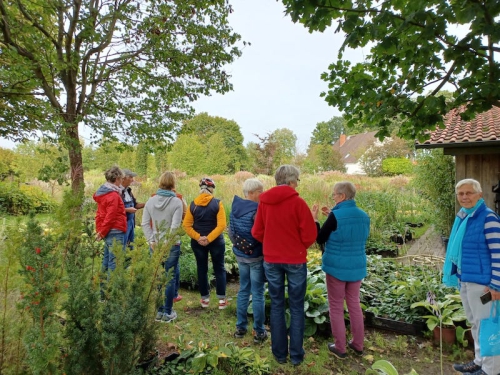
{"x":113,"y":173}
{"x":345,"y":187}
{"x":285,"y":174}
{"x":469,"y":181}
{"x":207,"y":190}
{"x":250,"y":185}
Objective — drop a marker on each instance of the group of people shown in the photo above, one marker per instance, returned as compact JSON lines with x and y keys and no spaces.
{"x":271,"y":232}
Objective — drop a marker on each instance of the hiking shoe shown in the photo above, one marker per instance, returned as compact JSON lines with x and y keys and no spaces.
{"x":223,"y":304}
{"x":358,"y":352}
{"x":205,"y":302}
{"x":478,"y":372}
{"x":159,"y":315}
{"x":466,"y":367}
{"x":336,"y":352}
{"x":240,"y":333}
{"x":259,"y":338}
{"x":178,"y":298}
{"x":167,"y":318}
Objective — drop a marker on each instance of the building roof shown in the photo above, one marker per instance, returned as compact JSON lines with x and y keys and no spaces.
{"x":483,"y":130}
{"x":350,"y":149}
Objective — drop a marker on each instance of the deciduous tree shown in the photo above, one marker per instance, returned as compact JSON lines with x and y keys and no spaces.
{"x":416,"y":48}
{"x":205,"y":126}
{"x":126,"y":69}
{"x":327,"y":132}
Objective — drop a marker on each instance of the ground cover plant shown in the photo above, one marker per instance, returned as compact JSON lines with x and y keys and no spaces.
{"x":52,"y":321}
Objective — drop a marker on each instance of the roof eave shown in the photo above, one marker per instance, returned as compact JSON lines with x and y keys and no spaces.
{"x":458,"y":145}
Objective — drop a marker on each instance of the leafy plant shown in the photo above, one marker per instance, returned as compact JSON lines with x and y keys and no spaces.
{"x":383,"y":367}
{"x":443,"y":313}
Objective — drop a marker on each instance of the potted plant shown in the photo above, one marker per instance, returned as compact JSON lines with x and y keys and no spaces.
{"x":444,"y":315}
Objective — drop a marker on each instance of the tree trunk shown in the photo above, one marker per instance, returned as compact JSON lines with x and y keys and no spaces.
{"x":74,"y":147}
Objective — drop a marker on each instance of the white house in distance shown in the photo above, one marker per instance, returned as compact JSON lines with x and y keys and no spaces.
{"x":352,"y":147}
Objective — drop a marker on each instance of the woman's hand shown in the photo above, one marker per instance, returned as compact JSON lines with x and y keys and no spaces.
{"x":314,"y":211}
{"x":203,"y":241}
{"x":325,"y":210}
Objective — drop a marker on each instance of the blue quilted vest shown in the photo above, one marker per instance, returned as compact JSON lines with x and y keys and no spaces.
{"x":345,"y":257}
{"x":241,"y":222}
{"x":476,"y":257}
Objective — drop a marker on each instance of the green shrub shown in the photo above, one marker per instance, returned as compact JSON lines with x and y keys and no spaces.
{"x":397,"y":166}
{"x":23,"y":199}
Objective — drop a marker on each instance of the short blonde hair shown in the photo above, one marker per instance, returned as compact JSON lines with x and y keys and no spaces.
{"x":167,"y":181}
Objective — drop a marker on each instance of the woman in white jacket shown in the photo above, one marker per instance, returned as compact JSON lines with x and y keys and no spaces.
{"x":163,"y":215}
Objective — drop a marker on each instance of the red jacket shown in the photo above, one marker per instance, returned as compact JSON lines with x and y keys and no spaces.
{"x":110,"y":212}
{"x":285,"y":226}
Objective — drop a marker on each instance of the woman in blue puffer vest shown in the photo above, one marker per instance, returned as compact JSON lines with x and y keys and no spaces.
{"x":248,"y":252}
{"x":344,"y":234}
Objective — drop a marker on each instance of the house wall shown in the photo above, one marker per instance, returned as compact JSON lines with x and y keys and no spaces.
{"x":354,"y":168}
{"x":484,"y":168}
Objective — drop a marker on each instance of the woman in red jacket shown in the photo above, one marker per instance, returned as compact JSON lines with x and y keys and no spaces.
{"x":110,"y":219}
{"x":285,"y":226}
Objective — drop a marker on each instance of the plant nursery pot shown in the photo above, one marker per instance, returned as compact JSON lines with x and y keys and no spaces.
{"x":447,"y":333}
{"x":415,"y":329}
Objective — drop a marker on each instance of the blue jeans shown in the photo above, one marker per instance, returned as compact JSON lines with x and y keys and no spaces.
{"x":109,"y":259}
{"x":216,"y":249}
{"x":130,"y":235}
{"x":251,"y":281}
{"x":177,"y":275}
{"x":171,"y":264}
{"x":296,"y":275}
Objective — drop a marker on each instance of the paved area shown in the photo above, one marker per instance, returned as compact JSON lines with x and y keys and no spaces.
{"x":428,"y":248}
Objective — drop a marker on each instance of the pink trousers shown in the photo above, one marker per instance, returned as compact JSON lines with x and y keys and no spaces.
{"x":338,"y":291}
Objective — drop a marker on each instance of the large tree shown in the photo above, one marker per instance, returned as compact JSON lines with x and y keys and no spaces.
{"x":126,"y":69}
{"x":415,"y":49}
{"x":204,"y":126}
{"x":327,"y":132}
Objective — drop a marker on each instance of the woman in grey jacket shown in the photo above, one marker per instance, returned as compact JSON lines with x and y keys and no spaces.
{"x":163,"y":215}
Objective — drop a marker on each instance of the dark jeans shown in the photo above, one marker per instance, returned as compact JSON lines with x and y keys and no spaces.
{"x":171,"y":265}
{"x":296,"y":275}
{"x":216,"y":249}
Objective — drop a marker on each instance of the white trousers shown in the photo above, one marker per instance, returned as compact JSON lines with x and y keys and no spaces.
{"x":475,"y":311}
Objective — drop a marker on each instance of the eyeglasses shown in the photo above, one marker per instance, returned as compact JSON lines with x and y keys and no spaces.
{"x":298,"y":179}
{"x":466,"y":194}
{"x":334,"y":194}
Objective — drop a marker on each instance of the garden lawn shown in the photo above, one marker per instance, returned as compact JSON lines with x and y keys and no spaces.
{"x":216,"y":327}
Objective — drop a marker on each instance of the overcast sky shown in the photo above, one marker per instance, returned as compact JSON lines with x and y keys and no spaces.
{"x":277,"y":79}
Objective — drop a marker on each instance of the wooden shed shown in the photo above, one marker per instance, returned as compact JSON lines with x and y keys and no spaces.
{"x":476,"y":147}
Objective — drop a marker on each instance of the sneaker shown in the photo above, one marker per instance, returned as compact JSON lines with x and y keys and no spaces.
{"x":466,"y":367}
{"x":178,"y":298}
{"x":205,"y":302}
{"x":259,"y":338}
{"x":358,"y":352}
{"x":478,"y":372}
{"x":223,"y":304}
{"x":240,"y":333}
{"x":159,"y":315}
{"x":167,"y":318}
{"x":336,"y":352}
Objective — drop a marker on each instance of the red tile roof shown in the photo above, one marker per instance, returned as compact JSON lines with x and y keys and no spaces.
{"x":484,"y":129}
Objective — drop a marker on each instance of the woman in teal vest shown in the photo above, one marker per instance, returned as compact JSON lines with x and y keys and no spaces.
{"x":344,"y":236}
